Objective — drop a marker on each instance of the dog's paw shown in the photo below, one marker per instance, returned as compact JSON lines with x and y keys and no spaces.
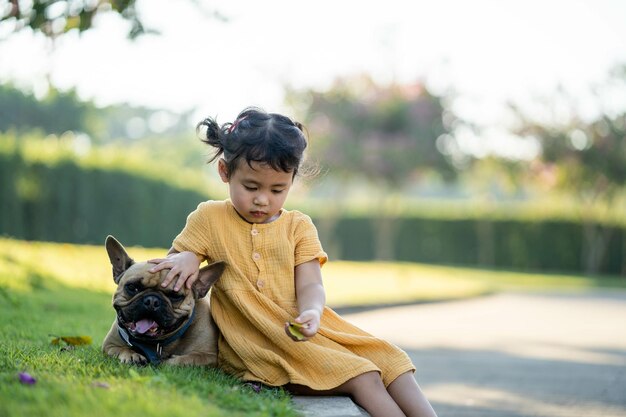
{"x":132,"y":357}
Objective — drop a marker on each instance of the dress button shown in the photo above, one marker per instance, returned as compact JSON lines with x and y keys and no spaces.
{"x":254,"y":232}
{"x":260,"y":283}
{"x":256,"y":256}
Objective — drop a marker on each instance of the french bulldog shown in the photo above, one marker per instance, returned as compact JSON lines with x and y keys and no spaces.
{"x":156,"y":324}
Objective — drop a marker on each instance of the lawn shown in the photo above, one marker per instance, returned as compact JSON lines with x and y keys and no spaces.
{"x":49,"y":290}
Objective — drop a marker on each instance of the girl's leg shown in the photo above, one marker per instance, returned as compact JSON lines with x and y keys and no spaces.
{"x":408,"y":395}
{"x":367,"y":390}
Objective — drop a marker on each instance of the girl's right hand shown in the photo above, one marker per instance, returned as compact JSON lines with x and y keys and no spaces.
{"x":185,"y":265}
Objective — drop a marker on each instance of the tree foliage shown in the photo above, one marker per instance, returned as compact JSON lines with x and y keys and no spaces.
{"x":61,"y":111}
{"x":386,"y":134}
{"x":56,"y":113}
{"x":587,"y":157}
{"x":56,"y":17}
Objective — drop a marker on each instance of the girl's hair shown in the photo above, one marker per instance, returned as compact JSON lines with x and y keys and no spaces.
{"x":256,"y":136}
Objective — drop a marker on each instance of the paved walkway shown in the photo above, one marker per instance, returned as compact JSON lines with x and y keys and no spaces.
{"x":510,"y":355}
{"x":515,"y":355}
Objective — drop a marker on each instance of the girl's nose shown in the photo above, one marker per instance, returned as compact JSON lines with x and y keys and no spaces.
{"x":260,"y":200}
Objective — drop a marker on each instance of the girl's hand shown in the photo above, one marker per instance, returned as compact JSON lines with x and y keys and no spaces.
{"x":185,"y":265}
{"x":310,"y":321}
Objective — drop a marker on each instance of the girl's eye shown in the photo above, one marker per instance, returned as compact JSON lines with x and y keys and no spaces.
{"x":249,"y":188}
{"x":277,"y":191}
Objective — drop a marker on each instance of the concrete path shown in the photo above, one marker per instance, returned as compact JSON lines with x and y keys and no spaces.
{"x":514,"y":355}
{"x":507,"y":355}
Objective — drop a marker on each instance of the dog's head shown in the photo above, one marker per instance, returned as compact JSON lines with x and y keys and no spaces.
{"x":145,"y":308}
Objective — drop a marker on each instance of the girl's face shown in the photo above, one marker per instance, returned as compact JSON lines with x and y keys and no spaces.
{"x":258,"y":192}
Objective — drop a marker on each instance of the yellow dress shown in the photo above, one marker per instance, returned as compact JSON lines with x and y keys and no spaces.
{"x":256,"y":295}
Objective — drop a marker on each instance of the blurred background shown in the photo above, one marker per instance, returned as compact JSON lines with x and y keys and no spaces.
{"x":483,"y":134}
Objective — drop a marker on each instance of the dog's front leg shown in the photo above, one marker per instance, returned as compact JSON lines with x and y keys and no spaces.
{"x":193,"y":359}
{"x":114,"y":346}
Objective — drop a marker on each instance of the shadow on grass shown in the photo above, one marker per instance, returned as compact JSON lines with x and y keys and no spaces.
{"x":47,"y":306}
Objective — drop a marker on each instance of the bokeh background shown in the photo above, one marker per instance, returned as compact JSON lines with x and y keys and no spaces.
{"x":484,"y":134}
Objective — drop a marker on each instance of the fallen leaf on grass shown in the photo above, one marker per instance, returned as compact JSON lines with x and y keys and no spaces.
{"x":26,"y":378}
{"x":72,"y":340}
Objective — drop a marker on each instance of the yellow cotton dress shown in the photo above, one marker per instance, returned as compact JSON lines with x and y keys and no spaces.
{"x":256,"y":295}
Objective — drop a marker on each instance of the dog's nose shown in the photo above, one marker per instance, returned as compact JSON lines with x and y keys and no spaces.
{"x":152,"y":302}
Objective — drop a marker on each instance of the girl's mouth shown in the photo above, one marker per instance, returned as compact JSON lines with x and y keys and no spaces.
{"x":258,"y":213}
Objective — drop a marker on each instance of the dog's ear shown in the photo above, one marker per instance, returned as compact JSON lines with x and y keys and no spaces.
{"x":120,"y":261}
{"x":208,"y":276}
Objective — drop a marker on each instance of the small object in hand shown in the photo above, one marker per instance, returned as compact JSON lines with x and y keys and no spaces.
{"x":26,"y":378}
{"x":294,"y":330}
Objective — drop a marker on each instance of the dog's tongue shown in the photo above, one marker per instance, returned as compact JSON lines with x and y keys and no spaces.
{"x":144,"y":325}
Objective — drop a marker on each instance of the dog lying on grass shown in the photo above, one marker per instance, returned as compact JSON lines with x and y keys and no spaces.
{"x":156,"y":324}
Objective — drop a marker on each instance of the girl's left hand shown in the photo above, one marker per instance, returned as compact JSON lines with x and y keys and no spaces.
{"x":310,"y":321}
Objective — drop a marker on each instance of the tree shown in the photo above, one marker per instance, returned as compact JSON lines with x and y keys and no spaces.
{"x":56,"y":17}
{"x":384,"y":134}
{"x":61,"y":111}
{"x":585,"y":157}
{"x":56,"y":113}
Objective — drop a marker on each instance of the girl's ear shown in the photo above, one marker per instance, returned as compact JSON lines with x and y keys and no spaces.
{"x":222,"y":169}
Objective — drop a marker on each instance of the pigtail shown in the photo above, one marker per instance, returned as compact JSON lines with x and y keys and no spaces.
{"x":209,"y":132}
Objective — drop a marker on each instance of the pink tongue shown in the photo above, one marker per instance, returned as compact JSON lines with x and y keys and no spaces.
{"x":144,"y":325}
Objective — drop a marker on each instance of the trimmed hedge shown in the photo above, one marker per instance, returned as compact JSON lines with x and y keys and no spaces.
{"x":64,"y":202}
{"x":557,"y":245}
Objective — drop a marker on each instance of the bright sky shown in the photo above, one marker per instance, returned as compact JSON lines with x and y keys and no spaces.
{"x":488,"y":51}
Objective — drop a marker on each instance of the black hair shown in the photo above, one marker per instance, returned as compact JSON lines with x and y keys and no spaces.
{"x":256,"y":136}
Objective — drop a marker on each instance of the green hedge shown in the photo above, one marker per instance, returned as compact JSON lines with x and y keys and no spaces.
{"x":557,"y":245}
{"x":65,"y":202}
{"x":59,"y":197}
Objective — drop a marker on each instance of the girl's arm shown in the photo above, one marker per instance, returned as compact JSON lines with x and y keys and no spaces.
{"x":185,"y":265}
{"x":310,"y":296}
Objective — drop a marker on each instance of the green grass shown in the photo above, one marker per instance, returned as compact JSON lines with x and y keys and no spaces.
{"x":51,"y":290}
{"x":64,"y":295}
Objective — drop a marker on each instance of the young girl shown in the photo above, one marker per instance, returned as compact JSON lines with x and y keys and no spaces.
{"x":273,"y":276}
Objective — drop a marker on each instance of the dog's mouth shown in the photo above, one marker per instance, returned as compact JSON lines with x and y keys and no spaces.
{"x":148,"y":328}
{"x":145,"y":327}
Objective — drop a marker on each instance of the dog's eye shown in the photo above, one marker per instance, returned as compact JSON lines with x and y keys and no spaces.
{"x":131,"y":288}
{"x":176,"y":297}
